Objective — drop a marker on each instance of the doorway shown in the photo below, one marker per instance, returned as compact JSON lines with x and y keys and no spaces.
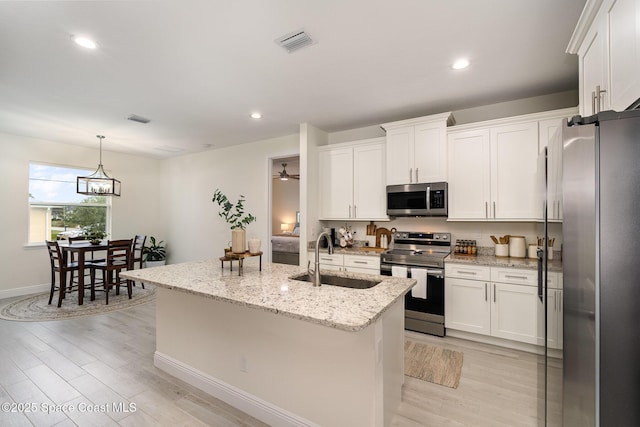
{"x":285,"y":210}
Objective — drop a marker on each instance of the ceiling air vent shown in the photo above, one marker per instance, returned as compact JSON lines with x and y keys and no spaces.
{"x":295,"y":41}
{"x":139,"y":119}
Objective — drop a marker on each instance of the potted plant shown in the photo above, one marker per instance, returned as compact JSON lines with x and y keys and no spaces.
{"x":94,"y":233}
{"x":155,"y":254}
{"x":236,"y":217}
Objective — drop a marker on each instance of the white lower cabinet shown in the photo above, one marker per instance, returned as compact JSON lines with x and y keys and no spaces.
{"x":514,"y":312}
{"x":363,"y":264}
{"x":467,"y":305}
{"x":503,"y":303}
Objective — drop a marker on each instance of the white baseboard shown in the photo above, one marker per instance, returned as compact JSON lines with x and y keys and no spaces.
{"x":246,"y":402}
{"x":27,"y":290}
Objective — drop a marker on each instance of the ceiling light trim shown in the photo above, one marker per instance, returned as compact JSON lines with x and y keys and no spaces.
{"x":85,"y":42}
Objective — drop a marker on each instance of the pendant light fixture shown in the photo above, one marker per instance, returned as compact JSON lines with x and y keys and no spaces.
{"x":98,"y":183}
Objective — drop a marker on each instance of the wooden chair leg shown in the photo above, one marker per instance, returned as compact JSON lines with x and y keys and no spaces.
{"x":92,"y":276}
{"x":53,"y":285}
{"x":62,"y":286}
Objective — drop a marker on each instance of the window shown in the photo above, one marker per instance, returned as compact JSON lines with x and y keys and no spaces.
{"x":56,"y":211}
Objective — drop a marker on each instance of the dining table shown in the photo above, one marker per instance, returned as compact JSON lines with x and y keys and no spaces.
{"x":81,"y":248}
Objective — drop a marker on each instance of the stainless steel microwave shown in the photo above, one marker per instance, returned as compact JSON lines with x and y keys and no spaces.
{"x":417,"y":199}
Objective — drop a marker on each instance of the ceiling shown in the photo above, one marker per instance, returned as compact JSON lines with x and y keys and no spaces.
{"x":198,"y":68}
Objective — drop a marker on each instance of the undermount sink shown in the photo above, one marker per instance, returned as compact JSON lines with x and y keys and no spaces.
{"x":345,"y":282}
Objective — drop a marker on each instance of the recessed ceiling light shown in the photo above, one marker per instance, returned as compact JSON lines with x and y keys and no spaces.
{"x":460,"y":64}
{"x":256,"y":115}
{"x":85,"y":42}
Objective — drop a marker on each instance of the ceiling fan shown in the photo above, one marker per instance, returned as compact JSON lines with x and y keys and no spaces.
{"x":284,"y":176}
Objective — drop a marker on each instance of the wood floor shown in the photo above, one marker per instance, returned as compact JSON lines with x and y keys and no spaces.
{"x":100,"y":365}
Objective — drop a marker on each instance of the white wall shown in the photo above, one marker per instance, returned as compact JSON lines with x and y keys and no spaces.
{"x":310,"y":139}
{"x":536,"y":104}
{"x":194,"y":231}
{"x":138,"y":211}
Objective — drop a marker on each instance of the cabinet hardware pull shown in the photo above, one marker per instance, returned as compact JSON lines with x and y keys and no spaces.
{"x":593,"y":103}
{"x":486,"y":209}
{"x":467,"y":272}
{"x":349,"y":211}
{"x":410,"y":175}
{"x":485,"y":291}
{"x":559,"y":302}
{"x":417,"y":180}
{"x":355,"y":215}
{"x":494,"y":292}
{"x":599,"y":97}
{"x":509,"y":276}
{"x":494,"y":209}
{"x":360,"y":262}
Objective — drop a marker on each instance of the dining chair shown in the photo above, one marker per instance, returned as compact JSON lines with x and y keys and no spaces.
{"x":62,"y":267}
{"x":87,"y":261}
{"x":118,"y":259}
{"x":137,"y":250}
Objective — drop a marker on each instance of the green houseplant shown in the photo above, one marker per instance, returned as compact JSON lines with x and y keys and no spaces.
{"x":94,"y":233}
{"x":154,"y":253}
{"x":236,"y":217}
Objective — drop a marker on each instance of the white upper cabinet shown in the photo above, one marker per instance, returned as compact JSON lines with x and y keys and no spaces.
{"x":550,"y":134}
{"x":336,"y":182}
{"x":623,"y":18}
{"x":469,"y":174}
{"x":514,"y":164}
{"x":352,"y":180}
{"x":369,"y":190}
{"x":492,"y":172}
{"x":493,"y":167}
{"x":607,"y":41}
{"x":417,"y":149}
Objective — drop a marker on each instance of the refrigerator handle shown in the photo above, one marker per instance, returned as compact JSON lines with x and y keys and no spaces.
{"x":540,"y":278}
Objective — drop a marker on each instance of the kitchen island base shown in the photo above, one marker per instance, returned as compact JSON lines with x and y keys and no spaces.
{"x":281,"y":370}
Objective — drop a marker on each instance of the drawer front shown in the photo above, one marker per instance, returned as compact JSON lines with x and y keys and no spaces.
{"x":554,"y":280}
{"x":326,"y":259}
{"x":370,"y":262}
{"x":515,"y":276}
{"x":467,"y":271}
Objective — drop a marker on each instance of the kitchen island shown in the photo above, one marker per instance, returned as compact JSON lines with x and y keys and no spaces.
{"x":280,"y":349}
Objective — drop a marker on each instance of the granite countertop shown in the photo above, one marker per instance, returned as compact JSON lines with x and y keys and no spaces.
{"x":493,"y":261}
{"x":272,"y":290}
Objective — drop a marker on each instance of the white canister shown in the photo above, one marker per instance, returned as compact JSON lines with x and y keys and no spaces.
{"x":254,"y":245}
{"x":517,"y":247}
{"x":533,"y":251}
{"x":502,"y":250}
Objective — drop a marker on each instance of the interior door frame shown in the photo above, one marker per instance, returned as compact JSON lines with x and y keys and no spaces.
{"x":270,"y":172}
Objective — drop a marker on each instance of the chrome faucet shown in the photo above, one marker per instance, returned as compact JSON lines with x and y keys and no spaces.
{"x":316,"y":271}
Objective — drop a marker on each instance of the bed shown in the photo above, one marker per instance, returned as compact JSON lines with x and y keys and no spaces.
{"x":285,"y":249}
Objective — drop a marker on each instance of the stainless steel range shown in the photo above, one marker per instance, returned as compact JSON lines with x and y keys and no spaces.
{"x":424,"y":311}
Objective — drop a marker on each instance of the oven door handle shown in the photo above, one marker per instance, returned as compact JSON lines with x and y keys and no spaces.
{"x":430,"y":271}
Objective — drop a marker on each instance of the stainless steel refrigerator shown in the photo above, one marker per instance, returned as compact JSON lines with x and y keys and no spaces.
{"x":601,"y":266}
